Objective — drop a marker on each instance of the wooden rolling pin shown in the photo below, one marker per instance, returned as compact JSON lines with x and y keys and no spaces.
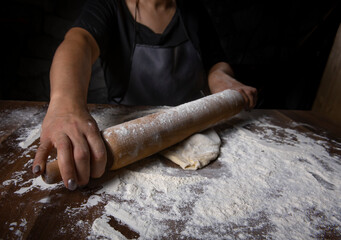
{"x":136,"y":139}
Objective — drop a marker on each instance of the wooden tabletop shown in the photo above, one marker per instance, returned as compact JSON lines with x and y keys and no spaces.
{"x":31,"y":209}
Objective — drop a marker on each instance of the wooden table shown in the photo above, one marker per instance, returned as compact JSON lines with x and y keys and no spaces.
{"x":43,"y":213}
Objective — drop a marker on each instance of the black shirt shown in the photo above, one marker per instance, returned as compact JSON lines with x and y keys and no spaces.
{"x":114,"y":29}
{"x":172,"y":35}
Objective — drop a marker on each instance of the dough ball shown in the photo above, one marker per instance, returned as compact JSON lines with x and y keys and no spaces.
{"x":196,"y":151}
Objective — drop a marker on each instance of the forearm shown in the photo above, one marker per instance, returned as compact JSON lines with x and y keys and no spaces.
{"x":71,"y":70}
{"x":68,"y":126}
{"x":221,"y":77}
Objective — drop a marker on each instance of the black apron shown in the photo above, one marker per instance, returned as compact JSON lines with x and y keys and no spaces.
{"x":165,"y":75}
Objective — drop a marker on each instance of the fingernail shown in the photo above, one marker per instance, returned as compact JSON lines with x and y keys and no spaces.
{"x":71,"y":184}
{"x":36,"y":169}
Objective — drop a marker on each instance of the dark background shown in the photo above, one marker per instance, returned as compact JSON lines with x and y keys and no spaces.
{"x":280,"y":47}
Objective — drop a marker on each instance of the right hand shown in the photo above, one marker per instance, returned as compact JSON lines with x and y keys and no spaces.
{"x":80,"y":148}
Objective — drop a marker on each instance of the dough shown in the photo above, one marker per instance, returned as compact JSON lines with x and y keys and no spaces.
{"x":196,"y":151}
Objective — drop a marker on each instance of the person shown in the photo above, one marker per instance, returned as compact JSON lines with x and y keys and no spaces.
{"x":153,"y":52}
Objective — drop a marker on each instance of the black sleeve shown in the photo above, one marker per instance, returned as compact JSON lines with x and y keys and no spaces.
{"x":212,"y":51}
{"x":98,"y":18}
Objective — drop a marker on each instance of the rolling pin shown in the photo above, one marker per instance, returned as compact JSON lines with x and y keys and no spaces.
{"x":134,"y":140}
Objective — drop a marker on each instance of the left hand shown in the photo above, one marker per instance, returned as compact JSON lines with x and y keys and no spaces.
{"x":220,"y":78}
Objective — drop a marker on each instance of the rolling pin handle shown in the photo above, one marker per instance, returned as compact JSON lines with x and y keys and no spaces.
{"x":52,"y":174}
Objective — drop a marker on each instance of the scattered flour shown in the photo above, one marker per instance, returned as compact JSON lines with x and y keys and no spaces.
{"x":16,"y":118}
{"x":265,"y":188}
{"x":18,"y":227}
{"x":102,"y":226}
{"x":17,"y":179}
{"x":271,"y":183}
{"x":33,"y":134}
{"x":27,"y":121}
{"x":45,"y":200}
{"x":36,"y":183}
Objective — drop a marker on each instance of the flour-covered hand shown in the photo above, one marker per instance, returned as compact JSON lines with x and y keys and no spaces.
{"x":80,"y":149}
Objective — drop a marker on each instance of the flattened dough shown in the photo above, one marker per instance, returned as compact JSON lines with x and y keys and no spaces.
{"x":196,"y":151}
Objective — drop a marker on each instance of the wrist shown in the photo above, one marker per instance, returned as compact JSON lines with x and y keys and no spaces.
{"x":219,"y":81}
{"x":66,"y":103}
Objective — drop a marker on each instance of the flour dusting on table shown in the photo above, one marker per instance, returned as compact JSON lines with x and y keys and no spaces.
{"x":269,"y":182}
{"x":265,"y":188}
{"x":32,"y":135}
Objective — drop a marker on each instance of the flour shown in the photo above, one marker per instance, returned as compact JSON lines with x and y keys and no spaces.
{"x":36,"y":183}
{"x":45,"y":200}
{"x":17,"y":179}
{"x":109,"y":117}
{"x":102,"y":226}
{"x":268,"y":183}
{"x":24,"y":120}
{"x":33,"y":134}
{"x":265,"y":188}
{"x":18,"y":228}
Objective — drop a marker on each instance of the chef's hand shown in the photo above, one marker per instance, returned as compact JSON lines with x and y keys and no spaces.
{"x":220,"y":78}
{"x":81,"y":151}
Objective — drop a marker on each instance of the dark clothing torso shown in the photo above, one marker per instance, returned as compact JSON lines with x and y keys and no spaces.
{"x":113,"y":27}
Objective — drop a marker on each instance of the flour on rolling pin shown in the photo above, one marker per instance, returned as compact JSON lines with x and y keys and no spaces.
{"x":139,"y":138}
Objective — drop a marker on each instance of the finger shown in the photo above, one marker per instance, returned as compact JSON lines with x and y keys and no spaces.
{"x":246,"y":99}
{"x":81,"y":155}
{"x":251,"y":97}
{"x":65,"y":162}
{"x":255,"y":98}
{"x":251,"y":94}
{"x":98,"y":152}
{"x":41,"y":156}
